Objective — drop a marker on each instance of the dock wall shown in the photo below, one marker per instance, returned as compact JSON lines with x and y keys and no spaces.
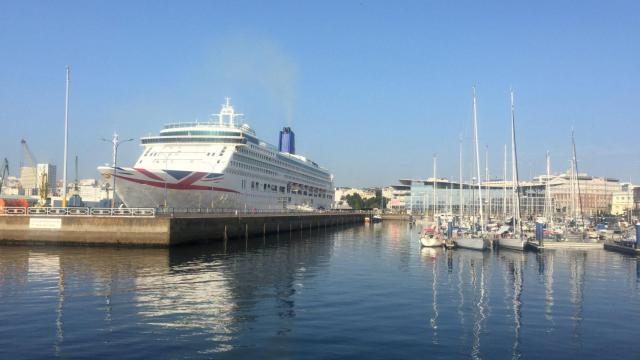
{"x":161,"y":231}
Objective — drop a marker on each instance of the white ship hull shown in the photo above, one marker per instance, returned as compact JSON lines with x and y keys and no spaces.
{"x":473,"y":243}
{"x":157,"y":188}
{"x":221,"y":165}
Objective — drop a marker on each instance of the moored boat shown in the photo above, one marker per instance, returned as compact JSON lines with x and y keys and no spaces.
{"x":471,"y":242}
{"x":512,"y":242}
{"x":432,"y":239}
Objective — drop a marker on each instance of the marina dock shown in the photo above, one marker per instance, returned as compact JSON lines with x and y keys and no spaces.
{"x":146,"y":228}
{"x":555,"y":245}
{"x":617,"y":247}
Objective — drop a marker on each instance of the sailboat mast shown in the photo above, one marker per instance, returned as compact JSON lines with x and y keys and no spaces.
{"x":461,"y":206}
{"x":486,"y":178}
{"x":571,"y":200}
{"x":575,"y":163}
{"x":514,"y":169}
{"x":475,"y":140}
{"x":547,"y":191}
{"x":435,"y":159}
{"x":504,"y":184}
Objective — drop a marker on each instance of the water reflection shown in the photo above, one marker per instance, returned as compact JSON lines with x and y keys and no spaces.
{"x":514,"y":286}
{"x":209,"y":290}
{"x":478,"y":281}
{"x":343,"y":292}
{"x":430,"y":255}
{"x":548,"y":282}
{"x":576,"y":286}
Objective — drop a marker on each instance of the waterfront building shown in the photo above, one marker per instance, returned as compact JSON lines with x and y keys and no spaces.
{"x":398,"y":196}
{"x":636,"y":198}
{"x":450,"y":197}
{"x":90,"y":190}
{"x":622,"y":201}
{"x":11,"y":186}
{"x":341,"y":193}
{"x":572,"y":194}
{"x":30,"y":178}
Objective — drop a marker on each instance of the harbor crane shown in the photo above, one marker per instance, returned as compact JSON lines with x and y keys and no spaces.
{"x":4,"y":172}
{"x":40,"y":181}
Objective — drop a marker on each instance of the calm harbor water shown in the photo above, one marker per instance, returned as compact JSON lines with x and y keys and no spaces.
{"x":358,"y":292}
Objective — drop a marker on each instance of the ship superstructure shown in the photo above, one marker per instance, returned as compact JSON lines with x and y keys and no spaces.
{"x":221,"y":164}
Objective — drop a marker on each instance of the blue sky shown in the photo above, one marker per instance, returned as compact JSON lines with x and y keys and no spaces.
{"x":372,"y":89}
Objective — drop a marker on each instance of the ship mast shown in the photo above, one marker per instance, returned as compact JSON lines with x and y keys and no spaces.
{"x":227,"y":110}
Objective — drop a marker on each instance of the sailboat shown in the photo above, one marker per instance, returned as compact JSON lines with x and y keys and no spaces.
{"x":475,"y":240}
{"x":433,"y":237}
{"x":516,"y":240}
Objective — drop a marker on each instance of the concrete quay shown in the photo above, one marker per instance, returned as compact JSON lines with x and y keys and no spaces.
{"x":396,"y":217}
{"x":159,"y":230}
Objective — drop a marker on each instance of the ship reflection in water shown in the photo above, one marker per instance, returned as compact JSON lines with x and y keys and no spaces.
{"x":365,"y":291}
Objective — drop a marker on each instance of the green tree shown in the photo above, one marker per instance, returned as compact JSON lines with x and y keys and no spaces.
{"x":355,"y":201}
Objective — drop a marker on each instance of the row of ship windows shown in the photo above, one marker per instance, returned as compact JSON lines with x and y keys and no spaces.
{"x":286,"y":171}
{"x":257,"y":186}
{"x":252,"y":168}
{"x":165,"y":140}
{"x":281,"y":162}
{"x":265,"y":187}
{"x":200,"y":132}
{"x":156,"y":153}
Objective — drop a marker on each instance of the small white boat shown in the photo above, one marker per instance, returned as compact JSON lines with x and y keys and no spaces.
{"x":513,"y":243}
{"x":471,"y":242}
{"x":431,"y":240}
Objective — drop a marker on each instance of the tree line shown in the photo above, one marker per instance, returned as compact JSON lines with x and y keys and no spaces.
{"x":358,"y":203}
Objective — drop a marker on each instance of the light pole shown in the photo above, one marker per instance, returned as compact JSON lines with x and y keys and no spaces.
{"x":115,"y":142}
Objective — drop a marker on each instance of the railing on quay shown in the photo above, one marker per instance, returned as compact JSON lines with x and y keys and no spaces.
{"x":78,"y":211}
{"x":171,"y":212}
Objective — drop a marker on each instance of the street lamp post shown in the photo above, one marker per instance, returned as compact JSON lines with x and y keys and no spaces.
{"x":116,"y":143}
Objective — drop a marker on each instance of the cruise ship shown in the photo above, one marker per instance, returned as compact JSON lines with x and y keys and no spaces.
{"x":221,"y":164}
